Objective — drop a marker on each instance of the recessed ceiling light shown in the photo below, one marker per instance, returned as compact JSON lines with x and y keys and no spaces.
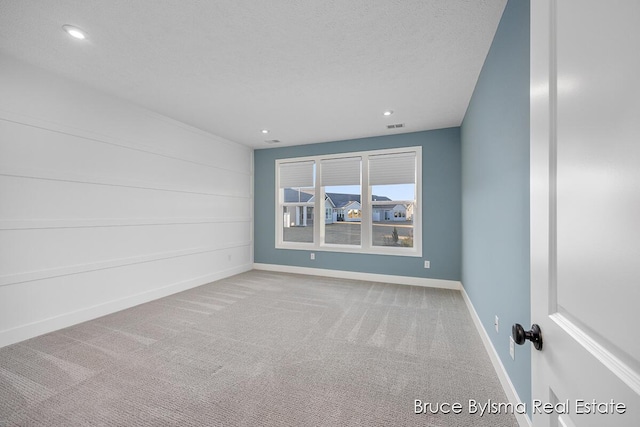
{"x":75,"y":32}
{"x":265,"y":130}
{"x":388,"y":112}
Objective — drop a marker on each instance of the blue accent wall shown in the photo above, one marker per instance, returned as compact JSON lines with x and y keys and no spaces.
{"x":495,"y":192}
{"x":441,"y":204}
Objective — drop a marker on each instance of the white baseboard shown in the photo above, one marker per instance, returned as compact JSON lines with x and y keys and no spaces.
{"x":507,"y":385}
{"x":51,"y":324}
{"x":355,"y":275}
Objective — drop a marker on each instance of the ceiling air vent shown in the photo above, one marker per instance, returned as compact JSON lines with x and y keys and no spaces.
{"x":272,"y":141}
{"x":397,"y":125}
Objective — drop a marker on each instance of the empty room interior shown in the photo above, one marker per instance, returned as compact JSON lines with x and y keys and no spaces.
{"x":319,"y":213}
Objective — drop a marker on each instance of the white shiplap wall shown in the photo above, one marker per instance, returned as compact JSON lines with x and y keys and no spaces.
{"x":104,"y":205}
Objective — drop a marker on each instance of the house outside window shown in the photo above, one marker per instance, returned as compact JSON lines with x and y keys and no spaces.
{"x":296,"y":208}
{"x":372,"y":202}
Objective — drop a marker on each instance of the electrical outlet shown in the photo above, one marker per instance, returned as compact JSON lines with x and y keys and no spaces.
{"x":427,"y":264}
{"x":512,"y":348}
{"x":496,"y":323}
{"x":313,"y":256}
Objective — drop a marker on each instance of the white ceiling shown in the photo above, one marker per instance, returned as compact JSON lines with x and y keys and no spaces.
{"x":309,"y":71}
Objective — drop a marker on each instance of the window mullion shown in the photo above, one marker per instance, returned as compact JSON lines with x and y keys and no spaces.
{"x":279,"y":208}
{"x":366,"y":224}
{"x":318,"y":224}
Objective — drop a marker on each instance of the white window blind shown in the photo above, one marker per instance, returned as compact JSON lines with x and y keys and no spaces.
{"x":387,"y":169}
{"x":343,"y":171}
{"x":296,"y":174}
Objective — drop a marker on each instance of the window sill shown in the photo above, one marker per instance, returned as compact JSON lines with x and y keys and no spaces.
{"x":389,"y":251}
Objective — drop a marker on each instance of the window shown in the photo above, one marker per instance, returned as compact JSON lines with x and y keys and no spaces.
{"x":340,"y":180}
{"x":371,"y":202}
{"x":393,"y":182}
{"x":296,"y":193}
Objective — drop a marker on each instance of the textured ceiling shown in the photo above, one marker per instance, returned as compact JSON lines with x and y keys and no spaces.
{"x":310,"y":71}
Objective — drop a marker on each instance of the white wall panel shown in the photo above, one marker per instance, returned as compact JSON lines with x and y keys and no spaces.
{"x":39,"y":250}
{"x":104,"y":205}
{"x":60,"y":301}
{"x":32,"y":151}
{"x":62,"y":200}
{"x":55,"y":103}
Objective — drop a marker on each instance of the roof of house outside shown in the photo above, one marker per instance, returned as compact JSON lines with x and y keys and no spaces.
{"x":292,"y":195}
{"x":339,"y":200}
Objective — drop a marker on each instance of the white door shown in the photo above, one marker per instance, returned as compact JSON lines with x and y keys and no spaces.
{"x":585,"y":210}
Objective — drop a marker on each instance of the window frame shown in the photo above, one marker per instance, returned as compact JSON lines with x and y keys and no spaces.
{"x":366,"y":243}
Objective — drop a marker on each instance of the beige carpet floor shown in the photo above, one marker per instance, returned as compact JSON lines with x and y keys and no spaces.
{"x":258,"y":349}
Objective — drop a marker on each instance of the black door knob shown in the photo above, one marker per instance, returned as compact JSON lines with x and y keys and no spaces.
{"x":534,"y":335}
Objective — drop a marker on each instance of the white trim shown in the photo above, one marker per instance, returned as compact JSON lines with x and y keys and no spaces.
{"x":612,"y":362}
{"x":366,"y":246}
{"x":145,"y":146}
{"x":356,"y":275}
{"x":29,"y":276}
{"x":252,"y":194}
{"x":31,"y":224}
{"x":505,"y":381}
{"x":112,"y":181}
{"x":23,"y":332}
